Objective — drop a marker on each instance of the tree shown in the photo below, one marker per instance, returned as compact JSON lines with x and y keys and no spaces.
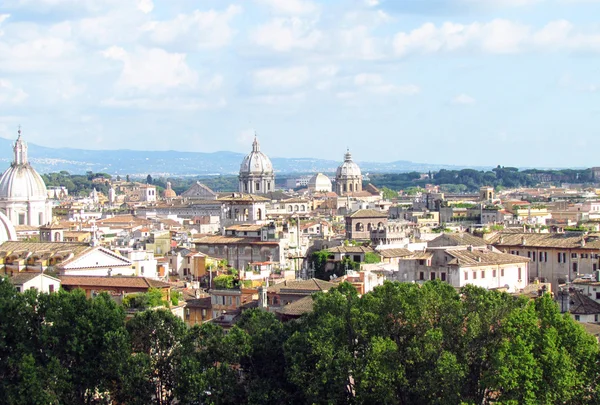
{"x":149,"y":179}
{"x":224,"y":281}
{"x":156,"y":337}
{"x":127,"y":178}
{"x":389,"y":194}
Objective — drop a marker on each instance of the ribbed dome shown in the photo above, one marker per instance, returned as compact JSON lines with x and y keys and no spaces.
{"x":256,"y":163}
{"x":319,"y":182}
{"x":20,"y":181}
{"x":348,"y":168}
{"x":169,"y":192}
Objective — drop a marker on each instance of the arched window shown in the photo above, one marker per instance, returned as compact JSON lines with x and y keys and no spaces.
{"x":258,"y":186}
{"x":259,"y":214}
{"x":370,"y":227}
{"x":302,"y":208}
{"x":380,"y":225}
{"x":296,"y":208}
{"x":57,"y":237}
{"x":345,"y":188}
{"x":246,"y":186}
{"x":359,"y":227}
{"x":269,"y":186}
{"x":290,"y":208}
{"x":350,"y":187}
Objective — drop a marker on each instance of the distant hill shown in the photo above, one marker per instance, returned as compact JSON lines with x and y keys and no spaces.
{"x":175,"y":163}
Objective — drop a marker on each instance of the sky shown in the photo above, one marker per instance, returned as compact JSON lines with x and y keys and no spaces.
{"x":464,"y":82}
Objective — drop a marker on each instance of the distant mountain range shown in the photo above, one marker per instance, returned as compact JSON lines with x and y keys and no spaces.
{"x":175,"y":163}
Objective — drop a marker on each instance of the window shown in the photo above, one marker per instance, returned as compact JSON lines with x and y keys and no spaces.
{"x":21,"y":219}
{"x":576,"y":317}
{"x":187,"y":314}
{"x":257,"y":186}
{"x":19,"y":289}
{"x":573,"y":255}
{"x":564,"y":257}
{"x":584,"y":255}
{"x":482,"y":273}
{"x":575,"y":268}
{"x":501,"y":272}
{"x":443,"y":276}
{"x":474,"y":275}
{"x":559,"y":257}
{"x":421,"y":275}
{"x":466,"y":275}
{"x":432,"y":276}
{"x":594,"y":266}
{"x":494,"y":273}
{"x":51,"y":288}
{"x":598,"y":295}
{"x":529,"y":254}
{"x":519,"y":274}
{"x":533,"y":255}
{"x":421,"y":262}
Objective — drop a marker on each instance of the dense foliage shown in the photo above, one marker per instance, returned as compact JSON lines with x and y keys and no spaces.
{"x":400,"y":344}
{"x":78,"y":184}
{"x":470,"y":180}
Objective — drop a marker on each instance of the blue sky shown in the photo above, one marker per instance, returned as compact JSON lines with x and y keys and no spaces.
{"x":466,"y":82}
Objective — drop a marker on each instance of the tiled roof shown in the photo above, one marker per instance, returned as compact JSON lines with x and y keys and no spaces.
{"x":389,"y":253}
{"x":243,"y":197}
{"x":350,"y":249}
{"x":21,"y":278}
{"x":111,"y":282}
{"x":419,"y":256}
{"x":457,"y":239}
{"x":305,"y":286}
{"x":244,"y":227}
{"x":482,"y":257}
{"x":297,"y":308}
{"x":569,"y":240}
{"x":232,"y":240}
{"x":204,"y":303}
{"x":368,"y":214}
{"x":48,"y":248}
{"x":581,"y":304}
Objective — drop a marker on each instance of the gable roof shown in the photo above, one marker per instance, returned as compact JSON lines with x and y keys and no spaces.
{"x":482,"y":257}
{"x":350,"y":249}
{"x":78,"y":261}
{"x":368,"y":214}
{"x":46,"y":248}
{"x":297,"y":308}
{"x":23,"y":277}
{"x":199,"y":190}
{"x":111,"y":282}
{"x":569,"y":240}
{"x":581,"y":304}
{"x":456,"y":239}
{"x":305,"y":287}
{"x":390,"y":253}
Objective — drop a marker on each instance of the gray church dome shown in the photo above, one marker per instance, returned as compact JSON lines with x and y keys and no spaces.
{"x":256,"y":163}
{"x":20,"y":181}
{"x":348,"y":168}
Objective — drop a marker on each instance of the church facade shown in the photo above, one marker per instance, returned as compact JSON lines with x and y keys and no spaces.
{"x":256,"y":172}
{"x":23,"y":193}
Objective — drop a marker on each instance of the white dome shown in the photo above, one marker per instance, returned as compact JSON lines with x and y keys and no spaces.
{"x":7,"y":229}
{"x":319,"y":182}
{"x":256,"y":163}
{"x":348,"y":168}
{"x":20,"y":181}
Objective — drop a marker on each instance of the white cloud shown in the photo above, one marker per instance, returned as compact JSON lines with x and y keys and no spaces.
{"x":152,"y":70}
{"x":367,"y":79}
{"x":290,"y":7}
{"x":145,"y":6}
{"x":161,"y":104}
{"x":375,"y":83}
{"x":281,"y":78}
{"x":10,"y":95}
{"x":463,"y":99}
{"x":286,"y":34}
{"x":205,"y":29}
{"x":245,"y":137}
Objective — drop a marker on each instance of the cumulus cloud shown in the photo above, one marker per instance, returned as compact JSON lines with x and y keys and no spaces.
{"x":204,"y":29}
{"x":463,"y":99}
{"x":10,"y":95}
{"x":290,"y":7}
{"x":286,"y":34}
{"x":375,"y":83}
{"x":152,"y":70}
{"x":281,"y":78}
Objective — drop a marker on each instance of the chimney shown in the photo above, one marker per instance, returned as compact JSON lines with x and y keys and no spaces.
{"x":582,"y":241}
{"x":523,"y":240}
{"x":501,"y":240}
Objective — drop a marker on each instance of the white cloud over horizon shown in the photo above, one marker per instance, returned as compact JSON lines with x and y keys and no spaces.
{"x":302,"y":68}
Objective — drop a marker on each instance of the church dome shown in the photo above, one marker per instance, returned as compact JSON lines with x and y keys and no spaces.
{"x":256,"y":163}
{"x":20,"y":181}
{"x":169,"y":192}
{"x":319,"y":182}
{"x":348,"y":168}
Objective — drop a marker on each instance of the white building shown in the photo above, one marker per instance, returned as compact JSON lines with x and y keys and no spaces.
{"x":35,"y":281}
{"x":319,"y":183}
{"x":23,"y":194}
{"x":462,"y":265}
